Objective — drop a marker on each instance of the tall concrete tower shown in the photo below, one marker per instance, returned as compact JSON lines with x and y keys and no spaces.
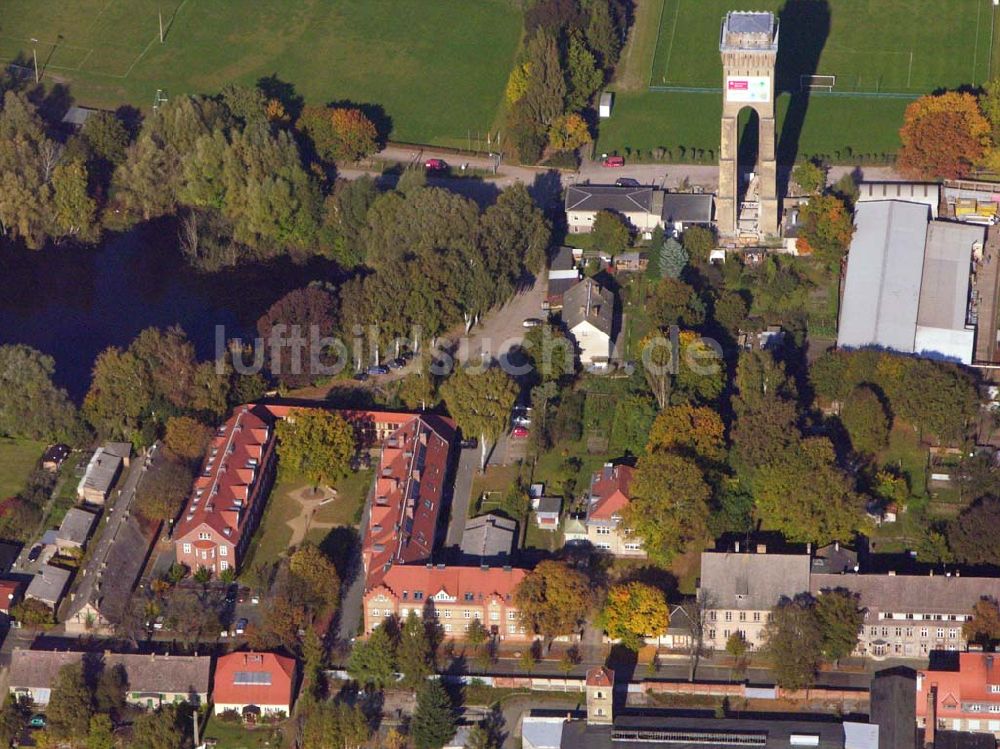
{"x":600,"y":696}
{"x":749,"y":47}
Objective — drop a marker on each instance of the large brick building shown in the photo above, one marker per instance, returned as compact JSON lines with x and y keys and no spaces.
{"x":966,"y":699}
{"x":229,"y":493}
{"x":455,"y":595}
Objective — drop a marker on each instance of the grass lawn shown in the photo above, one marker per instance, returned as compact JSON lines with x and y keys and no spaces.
{"x":65,"y":495}
{"x":436,"y":73}
{"x":901,"y":45}
{"x":686,"y":126}
{"x":238,"y":736}
{"x":346,"y":509}
{"x":908,"y":456}
{"x":632,"y":72}
{"x":17,"y":459}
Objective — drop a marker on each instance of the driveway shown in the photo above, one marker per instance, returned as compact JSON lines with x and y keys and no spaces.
{"x":501,"y":329}
{"x":461,"y":495}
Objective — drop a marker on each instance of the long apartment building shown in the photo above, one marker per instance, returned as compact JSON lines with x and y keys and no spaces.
{"x":229,"y":493}
{"x":409,"y":494}
{"x":905,"y":616}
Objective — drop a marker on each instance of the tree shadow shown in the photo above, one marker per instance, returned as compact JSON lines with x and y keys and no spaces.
{"x":805,"y":27}
{"x":748,"y":149}
{"x":275,"y":88}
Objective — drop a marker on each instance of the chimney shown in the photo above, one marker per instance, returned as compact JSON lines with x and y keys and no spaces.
{"x":762,"y":548}
{"x":836,"y":545}
{"x":930,"y":719}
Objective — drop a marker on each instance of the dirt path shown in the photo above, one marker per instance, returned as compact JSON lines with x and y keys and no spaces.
{"x":309,"y":502}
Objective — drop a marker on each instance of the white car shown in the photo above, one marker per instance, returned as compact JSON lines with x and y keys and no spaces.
{"x":531,"y":322}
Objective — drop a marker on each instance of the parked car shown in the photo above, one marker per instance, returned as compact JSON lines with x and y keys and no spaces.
{"x":435,"y":165}
{"x":360,"y":376}
{"x":35,"y":552}
{"x":521,"y":420}
{"x":241,"y":626}
{"x":470,"y":444}
{"x":531,"y":322}
{"x":519,"y":433}
{"x":397,"y":363}
{"x":627,"y":182}
{"x":378,"y":369}
{"x":614,"y":161}
{"x":158,"y":623}
{"x":37,"y":721}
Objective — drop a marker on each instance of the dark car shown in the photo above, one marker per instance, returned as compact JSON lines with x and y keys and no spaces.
{"x":34,"y":553}
{"x":470,"y":444}
{"x":378,"y":369}
{"x":360,"y":376}
{"x":397,"y":363}
{"x":627,"y":182}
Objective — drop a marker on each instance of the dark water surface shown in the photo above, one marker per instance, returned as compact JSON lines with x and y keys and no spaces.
{"x":72,"y":302}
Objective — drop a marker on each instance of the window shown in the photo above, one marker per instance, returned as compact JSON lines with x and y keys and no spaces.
{"x":187,"y":548}
{"x":725,"y":633}
{"x":404,"y":613}
{"x":909,"y":631}
{"x":603,"y":546}
{"x":952,"y":634}
{"x":729,"y":616}
{"x":600,"y":695}
{"x":940,"y":632}
{"x":418,"y":595}
{"x":994,"y":688}
{"x":204,"y":536}
{"x":511,"y":616}
{"x":447,"y":614}
{"x":711,"y":634}
{"x":711,"y":616}
{"x":467,"y":614}
{"x":633,"y":547}
{"x":603,"y":531}
{"x":447,"y":628}
{"x":923,"y":632}
{"x":899,"y":631}
{"x":743,"y":616}
{"x":995,"y":708}
{"x":885,"y":631}
{"x":756,"y":616}
{"x":512,"y":629}
{"x":223,"y":565}
{"x":223,"y":551}
{"x":494,"y":616}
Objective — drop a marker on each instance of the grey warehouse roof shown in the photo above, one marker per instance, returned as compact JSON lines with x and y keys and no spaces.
{"x":609,"y":198}
{"x":753,"y":582}
{"x":48,"y":585}
{"x":947,"y":266}
{"x":937,"y":594}
{"x":488,"y":536}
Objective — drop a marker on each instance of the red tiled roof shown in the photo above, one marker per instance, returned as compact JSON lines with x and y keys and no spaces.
{"x":363,"y":421}
{"x":971,"y":683}
{"x":457,"y":583}
{"x":233,"y":668}
{"x":9,"y":591}
{"x":409,"y":489}
{"x":600,"y":677}
{"x":609,"y":492}
{"x":224,"y":487}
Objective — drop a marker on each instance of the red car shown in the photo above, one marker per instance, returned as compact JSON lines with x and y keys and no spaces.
{"x":519,"y":433}
{"x":614,"y":161}
{"x":435,"y":165}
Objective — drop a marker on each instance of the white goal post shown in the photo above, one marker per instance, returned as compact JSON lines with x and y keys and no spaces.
{"x":817,"y":82}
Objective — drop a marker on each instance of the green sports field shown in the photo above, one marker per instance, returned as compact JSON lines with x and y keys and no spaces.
{"x":906,"y":46}
{"x":436,"y":67}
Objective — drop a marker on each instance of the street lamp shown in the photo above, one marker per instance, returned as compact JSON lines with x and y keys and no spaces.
{"x":34,"y":55}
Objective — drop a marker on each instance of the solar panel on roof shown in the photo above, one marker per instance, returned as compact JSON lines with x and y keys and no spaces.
{"x":253,"y":678}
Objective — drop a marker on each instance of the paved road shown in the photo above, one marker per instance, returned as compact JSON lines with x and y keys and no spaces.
{"x":468,"y":465}
{"x":503,"y":328}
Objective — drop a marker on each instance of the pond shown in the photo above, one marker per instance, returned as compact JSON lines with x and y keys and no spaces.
{"x":71,"y":302}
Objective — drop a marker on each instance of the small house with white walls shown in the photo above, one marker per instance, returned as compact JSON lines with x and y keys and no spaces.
{"x":588,"y":313}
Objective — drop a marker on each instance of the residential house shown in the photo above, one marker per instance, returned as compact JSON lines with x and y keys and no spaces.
{"x":683,"y":209}
{"x":834,"y":559}
{"x":254,"y":684}
{"x":229,"y":493}
{"x":408,"y":497}
{"x":49,"y":585}
{"x":609,"y":496}
{"x":153,"y":680}
{"x":54,"y":456}
{"x":10,"y":594}
{"x":738,"y":589}
{"x":455,"y":595}
{"x":547,"y":511}
{"x":966,"y":699}
{"x":588,"y":314}
{"x":908,"y":616}
{"x":102,"y":472}
{"x":645,"y":208}
{"x":75,"y":529}
{"x":489,"y":539}
{"x":564,"y":273}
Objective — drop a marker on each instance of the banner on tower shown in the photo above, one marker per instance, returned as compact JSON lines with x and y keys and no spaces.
{"x":748,"y":88}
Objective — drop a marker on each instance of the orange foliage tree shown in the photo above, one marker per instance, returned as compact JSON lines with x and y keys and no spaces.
{"x":340,"y":133}
{"x":827,"y":228}
{"x":943,"y":136}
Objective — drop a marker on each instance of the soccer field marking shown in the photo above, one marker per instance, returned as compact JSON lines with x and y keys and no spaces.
{"x":975,"y":48}
{"x":97,"y":16}
{"x":656,"y":44}
{"x":670,"y":45}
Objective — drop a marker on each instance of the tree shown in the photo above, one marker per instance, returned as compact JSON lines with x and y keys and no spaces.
{"x":731,"y":309}
{"x":972,"y":536}
{"x":101,"y":734}
{"x":316,"y":444}
{"x":669,"y":504}
{"x":33,"y":613}
{"x":187,"y":438}
{"x":544,"y":97}
{"x":671,"y":301}
{"x":700,"y":376}
{"x":840,"y":621}
{"x":569,"y":132}
{"x":673,"y":258}
{"x":433,"y":722}
{"x":120,"y":394}
{"x":164,"y":728}
{"x":865,"y":418}
{"x":989,"y":105}
{"x":793,"y":643}
{"x":810,"y":176}
{"x":827,"y":228}
{"x":610,"y":233}
{"x":943,"y":136}
{"x":696,"y":432}
{"x":806,"y":496}
{"x":480,"y":737}
{"x":106,"y":137}
{"x":162,"y":491}
{"x":73,"y":208}
{"x":13,"y":721}
{"x":518,"y":83}
{"x":513,"y":236}
{"x":480,"y":403}
{"x":317,"y":574}
{"x":583,"y":76}
{"x":308,"y":315}
{"x":70,"y":705}
{"x":984,"y":626}
{"x":110,"y":689}
{"x":335,"y":725}
{"x":31,"y":406}
{"x":416,"y":660}
{"x":345,"y":214}
{"x":553,"y":599}
{"x":602,"y":35}
{"x":699,"y":241}
{"x":737,"y":645}
{"x":355,"y":134}
{"x":634,"y":611}
{"x":373,"y":661}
